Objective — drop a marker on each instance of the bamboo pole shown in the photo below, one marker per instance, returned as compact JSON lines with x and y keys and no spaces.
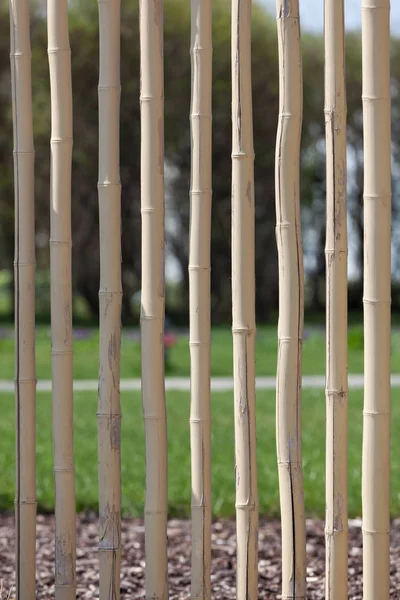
{"x":199,"y":286}
{"x":110,"y":298}
{"x":291,"y":301}
{"x":243,"y":304}
{"x":377,"y":297}
{"x":61,"y":296}
{"x":336,"y":527}
{"x":24,"y":277}
{"x":152,"y":301}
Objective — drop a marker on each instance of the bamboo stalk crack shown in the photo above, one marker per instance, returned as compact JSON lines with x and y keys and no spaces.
{"x":291,"y":302}
{"x":243,"y":303}
{"x":336,"y":252}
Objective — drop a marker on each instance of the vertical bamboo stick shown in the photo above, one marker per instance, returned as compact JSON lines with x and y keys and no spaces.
{"x":336,"y":527}
{"x":291,"y":301}
{"x":110,"y":297}
{"x":61,"y":295}
{"x":199,"y":286}
{"x":152,"y":303}
{"x":243,"y":303}
{"x":24,"y":276}
{"x":377,"y":296}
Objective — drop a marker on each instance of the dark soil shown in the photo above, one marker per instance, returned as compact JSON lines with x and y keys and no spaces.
{"x":223,"y":555}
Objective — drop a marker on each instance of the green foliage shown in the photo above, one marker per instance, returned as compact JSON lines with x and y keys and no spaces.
{"x":223,"y":480}
{"x":356,"y":339}
{"x":84,"y":45}
{"x":86,"y":344}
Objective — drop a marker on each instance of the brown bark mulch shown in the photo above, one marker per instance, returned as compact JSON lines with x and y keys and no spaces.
{"x":223,"y":556}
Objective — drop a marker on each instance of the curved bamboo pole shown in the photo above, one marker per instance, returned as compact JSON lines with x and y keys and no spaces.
{"x":153,"y":289}
{"x":291,"y":302}
{"x":336,"y":528}
{"x":24,"y":278}
{"x":61,"y":296}
{"x":243,"y":303}
{"x":377,"y":296}
{"x":110,"y":297}
{"x":199,"y":286}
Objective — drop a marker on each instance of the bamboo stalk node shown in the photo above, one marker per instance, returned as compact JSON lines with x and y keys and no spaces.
{"x":20,"y":55}
{"x":65,"y":141}
{"x":243,"y":155}
{"x":59,"y":51}
{"x":25,"y":263}
{"x":110,"y":293}
{"x":107,"y":185}
{"x":377,"y":301}
{"x":384,"y":532}
{"x":63,"y":469}
{"x":197,"y":268}
{"x":106,"y":88}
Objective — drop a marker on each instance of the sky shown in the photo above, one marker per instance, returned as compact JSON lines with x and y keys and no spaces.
{"x":312,"y":14}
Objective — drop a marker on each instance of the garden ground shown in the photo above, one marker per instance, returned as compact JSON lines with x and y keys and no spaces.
{"x":223,"y":576}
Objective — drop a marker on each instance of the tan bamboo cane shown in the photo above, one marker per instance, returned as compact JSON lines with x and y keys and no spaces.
{"x":336,"y":527}
{"x":199,"y":286}
{"x":152,"y":302}
{"x":110,"y":298}
{"x":243,"y":303}
{"x":61,"y":296}
{"x":24,"y":281}
{"x":291,"y":301}
{"x":377,"y":296}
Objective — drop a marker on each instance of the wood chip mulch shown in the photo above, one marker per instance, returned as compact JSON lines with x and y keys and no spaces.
{"x":223,"y":556}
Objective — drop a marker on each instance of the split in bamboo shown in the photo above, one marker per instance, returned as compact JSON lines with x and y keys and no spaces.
{"x":61,"y":297}
{"x":291,"y":302}
{"x":377,"y":297}
{"x":152,"y":300}
{"x":110,"y":298}
{"x":336,"y":528}
{"x":243,"y":303}
{"x":199,"y":286}
{"x":24,"y":278}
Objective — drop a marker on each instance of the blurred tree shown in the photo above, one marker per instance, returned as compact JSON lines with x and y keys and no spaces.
{"x":84,"y":46}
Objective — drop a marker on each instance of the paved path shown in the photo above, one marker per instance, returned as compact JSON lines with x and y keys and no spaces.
{"x":218,"y":384}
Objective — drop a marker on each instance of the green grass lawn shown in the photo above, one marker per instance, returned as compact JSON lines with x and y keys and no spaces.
{"x":86,"y":353}
{"x":133,"y":473}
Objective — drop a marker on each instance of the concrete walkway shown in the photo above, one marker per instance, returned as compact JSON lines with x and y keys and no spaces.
{"x":218,"y":384}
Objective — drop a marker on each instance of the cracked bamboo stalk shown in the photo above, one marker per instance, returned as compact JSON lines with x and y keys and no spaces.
{"x":152,"y":300}
{"x":199,"y":286}
{"x":110,"y":298}
{"x":243,"y":304}
{"x":61,"y":297}
{"x":291,"y":302}
{"x":377,"y":297}
{"x":336,"y":526}
{"x":24,"y":277}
